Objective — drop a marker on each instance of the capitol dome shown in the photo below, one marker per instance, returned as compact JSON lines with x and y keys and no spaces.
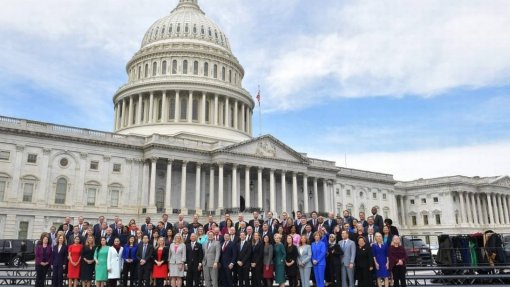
{"x":185,"y":82}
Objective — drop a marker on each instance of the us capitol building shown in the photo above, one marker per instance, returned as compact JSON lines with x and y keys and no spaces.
{"x":182,"y":143}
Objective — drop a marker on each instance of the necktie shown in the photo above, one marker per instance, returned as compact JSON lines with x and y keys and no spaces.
{"x":192,"y":245}
{"x":209,"y":245}
{"x":224,"y":245}
{"x":242,"y":244}
{"x":343,"y":245}
{"x":313,"y":222}
{"x":102,"y":233}
{"x":144,"y":250}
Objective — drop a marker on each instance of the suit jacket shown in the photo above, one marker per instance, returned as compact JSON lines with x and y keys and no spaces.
{"x":211,"y":253}
{"x":149,"y":253}
{"x":144,"y":228}
{"x":244,"y":254}
{"x":206,"y":227}
{"x":329,"y":224}
{"x":228,"y":254}
{"x":257,"y":253}
{"x":305,"y":256}
{"x":59,"y":258}
{"x":194,"y":255}
{"x":349,"y":249}
{"x":252,"y":223}
{"x":97,"y":230}
{"x":164,"y":256}
{"x":70,"y":239}
{"x":109,"y":240}
{"x":314,"y":226}
{"x":236,"y":225}
{"x":319,"y":252}
{"x":376,"y":229}
{"x":61,"y":227}
{"x":191,"y":228}
{"x":364,"y":257}
{"x":177,"y":256}
{"x":168,"y":225}
{"x":378,"y":220}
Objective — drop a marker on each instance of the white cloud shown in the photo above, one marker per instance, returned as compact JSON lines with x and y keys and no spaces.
{"x":393,"y":48}
{"x":477,"y":160}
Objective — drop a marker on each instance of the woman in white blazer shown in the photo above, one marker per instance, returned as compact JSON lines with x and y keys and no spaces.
{"x":304,"y":261}
{"x":114,"y":262}
{"x":176,"y":260}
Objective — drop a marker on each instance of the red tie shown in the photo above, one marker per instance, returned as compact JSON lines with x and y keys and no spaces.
{"x":224,"y":245}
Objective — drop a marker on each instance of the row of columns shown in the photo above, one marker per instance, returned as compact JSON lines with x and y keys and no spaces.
{"x":483,"y":208}
{"x":126,"y":116}
{"x":327,"y":188}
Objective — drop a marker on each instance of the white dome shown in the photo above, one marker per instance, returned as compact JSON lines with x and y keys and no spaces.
{"x":186,"y":22}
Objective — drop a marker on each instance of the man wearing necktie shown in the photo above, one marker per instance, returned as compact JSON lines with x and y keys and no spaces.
{"x":212,"y":252}
{"x":349,"y":249}
{"x":243,"y":260}
{"x":144,"y":256}
{"x":194,"y":257}
{"x":228,"y":260}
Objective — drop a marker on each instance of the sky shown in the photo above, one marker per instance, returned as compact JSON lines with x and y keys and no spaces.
{"x":416,"y":89}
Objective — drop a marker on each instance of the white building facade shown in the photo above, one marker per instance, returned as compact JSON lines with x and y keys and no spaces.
{"x":182,"y":143}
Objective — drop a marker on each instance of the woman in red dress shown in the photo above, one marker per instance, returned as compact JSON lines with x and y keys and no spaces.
{"x":74,"y":258}
{"x":160,"y":269}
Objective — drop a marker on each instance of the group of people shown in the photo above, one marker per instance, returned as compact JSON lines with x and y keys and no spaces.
{"x":329,"y":251}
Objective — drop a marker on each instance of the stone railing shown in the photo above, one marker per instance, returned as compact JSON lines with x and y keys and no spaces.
{"x":364,"y":174}
{"x":322,"y":163}
{"x":457,"y":179}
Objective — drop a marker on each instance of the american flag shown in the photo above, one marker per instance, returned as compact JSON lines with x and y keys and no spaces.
{"x":258,"y":97}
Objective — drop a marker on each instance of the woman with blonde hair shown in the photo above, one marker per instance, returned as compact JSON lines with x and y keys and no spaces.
{"x":380,"y":254}
{"x":397,"y":262}
{"x":160,"y":267}
{"x":176,"y":260}
{"x":279,"y":259}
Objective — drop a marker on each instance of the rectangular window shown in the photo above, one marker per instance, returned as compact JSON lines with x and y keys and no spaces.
{"x":94,"y":165}
{"x":411,"y":201}
{"x":423,"y":200}
{"x":425,"y":220}
{"x":116,"y":167}
{"x":438,"y":219}
{"x":386,"y":215}
{"x":436,"y":199}
{"x":348,"y":192}
{"x":384,"y":196}
{"x":32,"y":158}
{"x":3,"y":186}
{"x":413,"y":220}
{"x":5,"y":155}
{"x":28,"y":191}
{"x":91,"y":197}
{"x":374,"y":195}
{"x":114,"y":198}
{"x":23,"y":230}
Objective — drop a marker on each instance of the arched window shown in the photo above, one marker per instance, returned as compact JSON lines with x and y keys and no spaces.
{"x":210,"y":32}
{"x":163,"y":31}
{"x":178,"y":28}
{"x":163,"y":68}
{"x":170,"y":29}
{"x":60,"y":192}
{"x":223,"y":73}
{"x":206,"y":69}
{"x":174,"y":67}
{"x":215,"y":71}
{"x":207,"y":113}
{"x":154,"y":69}
{"x":185,"y":67}
{"x":194,"y":115}
{"x":202,"y":30}
{"x":195,"y":29}
{"x":195,"y":68}
{"x":186,"y":28}
{"x":184,"y":108}
{"x":146,"y":72}
{"x":171,"y":112}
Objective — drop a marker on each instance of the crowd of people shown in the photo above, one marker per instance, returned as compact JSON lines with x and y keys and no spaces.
{"x":324,"y":250}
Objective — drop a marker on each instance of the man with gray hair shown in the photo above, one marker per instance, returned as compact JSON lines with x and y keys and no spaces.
{"x":211,"y":260}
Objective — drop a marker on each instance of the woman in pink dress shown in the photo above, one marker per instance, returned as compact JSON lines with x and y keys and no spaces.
{"x":74,"y":259}
{"x":296,"y":238}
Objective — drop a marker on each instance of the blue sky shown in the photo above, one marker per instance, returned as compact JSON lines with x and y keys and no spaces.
{"x":412,"y":88}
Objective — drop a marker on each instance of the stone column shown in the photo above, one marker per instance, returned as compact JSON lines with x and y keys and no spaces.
{"x":145,"y":183}
{"x":202,"y":112}
{"x":469,"y":216}
{"x":496,"y":209}
{"x":116,"y":118}
{"x":236,"y":118}
{"x":130,"y":116}
{"x":168,"y":187}
{"x":41,"y":194}
{"x":227,"y":113}
{"x":164,"y":108}
{"x":139,"y":112}
{"x":211,"y":188}
{"x":485,"y":210}
{"x":284,"y":191}
{"x":489,"y":205}
{"x":123,"y":116}
{"x":184,"y":171}
{"x":481,"y":220}
{"x":152,"y":187}
{"x":220,"y":185}
{"x":474,"y":209}
{"x":500,"y":209}
{"x":190,"y":107}
{"x":505,"y":209}
{"x":326,"y":197}
{"x":508,"y":206}
{"x":272,"y":197}
{"x":259,"y":188}
{"x":402,"y":210}
{"x":247,"y":190}
{"x":198,"y":175}
{"x":305,"y":193}
{"x":216,"y":109}
{"x":235,"y":194}
{"x":151,"y":108}
{"x":294,"y":192}
{"x":243,"y":123}
{"x":177,"y":106}
{"x":315,"y":194}
{"x":462,"y":208}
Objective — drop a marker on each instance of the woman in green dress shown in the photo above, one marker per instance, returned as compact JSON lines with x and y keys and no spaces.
{"x":279,"y":260}
{"x":101,"y":258}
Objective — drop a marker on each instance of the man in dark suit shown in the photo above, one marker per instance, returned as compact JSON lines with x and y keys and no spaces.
{"x":109,"y":236}
{"x":98,"y":226}
{"x":265,"y":231}
{"x":144,"y":256}
{"x":67,"y":221}
{"x":309,"y":233}
{"x":243,"y":260}
{"x":371,"y":225}
{"x":76,"y":233}
{"x":185,"y":235}
{"x":223,"y":223}
{"x":144,"y":226}
{"x":378,"y":220}
{"x":66,"y":230}
{"x":330,"y":222}
{"x":116,"y":220}
{"x":166,"y":224}
{"x":149,"y":231}
{"x":300,"y":227}
{"x":362,"y":219}
{"x":240,"y":219}
{"x":194,"y":257}
{"x":313,"y":222}
{"x":207,"y":226}
{"x":256,"y":217}
{"x":228,"y":260}
{"x":257,"y":228}
{"x":194,"y":225}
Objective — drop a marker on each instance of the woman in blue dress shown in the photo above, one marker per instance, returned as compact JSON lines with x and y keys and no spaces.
{"x":380,"y":253}
{"x":319,"y":252}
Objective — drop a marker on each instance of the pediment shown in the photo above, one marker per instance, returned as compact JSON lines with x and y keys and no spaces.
{"x":502,"y":181}
{"x":266,"y":147}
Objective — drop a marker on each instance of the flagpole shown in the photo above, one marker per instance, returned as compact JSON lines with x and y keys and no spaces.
{"x":260,"y":112}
